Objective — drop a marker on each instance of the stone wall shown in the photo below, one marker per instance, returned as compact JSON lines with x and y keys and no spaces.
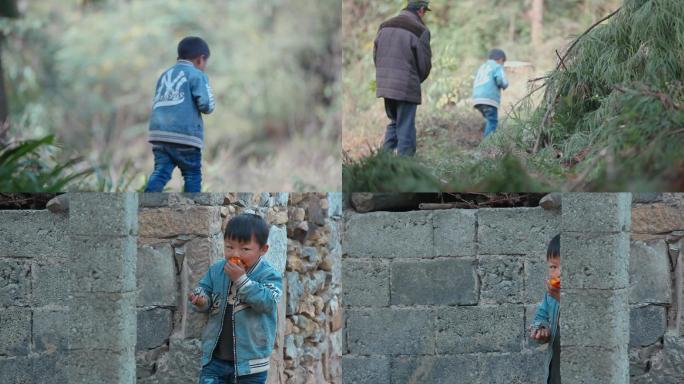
{"x":656,"y":346}
{"x":444,"y":296}
{"x":313,"y":336}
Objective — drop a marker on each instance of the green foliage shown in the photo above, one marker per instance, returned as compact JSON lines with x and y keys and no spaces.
{"x":30,"y":166}
{"x":385,"y":172}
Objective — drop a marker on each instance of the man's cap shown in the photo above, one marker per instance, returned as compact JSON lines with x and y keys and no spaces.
{"x":421,"y":3}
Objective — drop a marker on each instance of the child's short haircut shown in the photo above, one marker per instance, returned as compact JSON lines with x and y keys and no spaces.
{"x":192,"y":47}
{"x":245,"y":225}
{"x":553,"y":251}
{"x":497,"y":54}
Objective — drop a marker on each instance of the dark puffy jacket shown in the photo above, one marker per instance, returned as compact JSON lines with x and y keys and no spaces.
{"x":402,"y":57}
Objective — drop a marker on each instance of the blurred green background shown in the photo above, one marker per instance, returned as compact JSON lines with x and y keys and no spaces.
{"x":85,"y":72}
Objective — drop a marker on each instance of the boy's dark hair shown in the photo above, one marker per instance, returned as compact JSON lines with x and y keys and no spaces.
{"x":496,"y":54}
{"x":192,"y":47}
{"x":245,"y":225}
{"x":553,"y":251}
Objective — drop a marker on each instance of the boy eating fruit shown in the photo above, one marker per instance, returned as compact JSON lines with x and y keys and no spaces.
{"x":545,"y":328}
{"x":241,"y":294}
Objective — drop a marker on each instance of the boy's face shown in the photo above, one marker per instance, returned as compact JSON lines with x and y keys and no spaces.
{"x":554,"y":267}
{"x":248,"y":252}
{"x":501,"y":61}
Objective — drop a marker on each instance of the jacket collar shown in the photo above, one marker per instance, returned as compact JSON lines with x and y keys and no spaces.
{"x":184,"y":62}
{"x":412,"y":15}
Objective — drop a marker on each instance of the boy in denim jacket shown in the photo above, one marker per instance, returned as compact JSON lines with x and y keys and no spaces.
{"x":176,"y":128}
{"x":489,"y":81}
{"x":545,"y":328}
{"x":241,"y":295}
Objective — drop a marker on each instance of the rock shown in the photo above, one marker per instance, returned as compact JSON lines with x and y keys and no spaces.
{"x":154,"y":328}
{"x":156,"y":276}
{"x":657,"y":218}
{"x":551,"y":201}
{"x":58,"y":204}
{"x":295,"y":289}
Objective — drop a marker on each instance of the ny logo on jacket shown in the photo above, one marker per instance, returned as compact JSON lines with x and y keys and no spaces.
{"x":182,"y":95}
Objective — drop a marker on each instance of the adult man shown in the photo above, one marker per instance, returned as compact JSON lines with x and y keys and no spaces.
{"x":403,"y":60}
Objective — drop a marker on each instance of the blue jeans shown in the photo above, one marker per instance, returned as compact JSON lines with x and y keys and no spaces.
{"x":167,"y":156}
{"x":401,"y":131}
{"x":491,"y":115}
{"x":223,"y":372}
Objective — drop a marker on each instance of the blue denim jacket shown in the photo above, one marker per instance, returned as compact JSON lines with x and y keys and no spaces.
{"x":254,"y":314}
{"x":183,"y":93}
{"x":489,"y":81}
{"x":547,"y":315}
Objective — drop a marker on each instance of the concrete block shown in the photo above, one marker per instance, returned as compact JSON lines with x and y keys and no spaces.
{"x":435,"y":369}
{"x":103,"y":264}
{"x":594,"y":365}
{"x":455,"y":232}
{"x":382,"y":331}
{"x":520,"y":231}
{"x":512,"y":368}
{"x":33,"y":234}
{"x":180,"y":364}
{"x":597,"y":212}
{"x":536,"y":274}
{"x":16,"y":370}
{"x":103,"y":214}
{"x":205,"y":198}
{"x":15,"y":331}
{"x":649,"y":273}
{"x":389,"y":234}
{"x":156,"y":276}
{"x":51,"y":331}
{"x":200,"y":253}
{"x":595,"y":260}
{"x":479,"y":329}
{"x":366,"y":369}
{"x":51,"y":283}
{"x":101,"y":366}
{"x":154,"y":328}
{"x":334,"y":204}
{"x":501,"y":279}
{"x":595,"y":318}
{"x":647,"y":325}
{"x":365,"y":283}
{"x":51,"y":368}
{"x":15,"y":282}
{"x":181,"y":220}
{"x":434,"y":282}
{"x":115,"y":313}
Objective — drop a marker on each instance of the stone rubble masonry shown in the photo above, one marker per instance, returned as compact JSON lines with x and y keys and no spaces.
{"x":595,"y":296}
{"x":431,"y":296}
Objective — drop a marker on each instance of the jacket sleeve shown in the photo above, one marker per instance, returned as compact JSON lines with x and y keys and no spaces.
{"x":262,"y":295}
{"x":201,"y":93}
{"x":205,"y":289}
{"x":424,"y":56}
{"x":541,"y":317}
{"x":500,"y":78}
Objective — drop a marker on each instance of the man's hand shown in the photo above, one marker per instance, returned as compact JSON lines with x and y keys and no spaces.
{"x":234,"y":271}
{"x":197,"y":300}
{"x":553,"y":291}
{"x":541,"y":334}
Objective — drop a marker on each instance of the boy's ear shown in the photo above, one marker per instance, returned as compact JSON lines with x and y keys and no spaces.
{"x":264,"y":249}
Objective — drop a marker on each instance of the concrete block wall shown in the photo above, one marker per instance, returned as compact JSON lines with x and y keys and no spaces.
{"x":444,"y":296}
{"x":66,"y":278}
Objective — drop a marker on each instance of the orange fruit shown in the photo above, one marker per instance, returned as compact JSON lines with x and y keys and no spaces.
{"x":555,"y":282}
{"x":236,"y":261}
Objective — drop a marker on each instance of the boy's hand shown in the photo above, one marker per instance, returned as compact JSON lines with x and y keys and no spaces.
{"x":234,"y":271}
{"x":541,"y":334}
{"x":553,"y":291}
{"x":197,"y":300}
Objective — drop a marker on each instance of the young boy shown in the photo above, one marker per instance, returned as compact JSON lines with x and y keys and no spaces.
{"x":545,"y":328}
{"x":176,"y":126}
{"x":489,"y":81}
{"x":241,"y":295}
